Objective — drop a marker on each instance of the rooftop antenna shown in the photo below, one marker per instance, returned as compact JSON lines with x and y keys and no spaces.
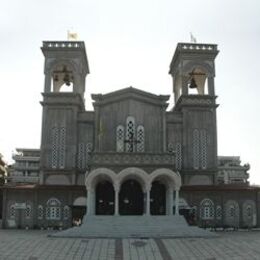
{"x":192,"y":38}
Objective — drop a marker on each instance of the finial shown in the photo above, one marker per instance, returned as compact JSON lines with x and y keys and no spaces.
{"x":72,"y":36}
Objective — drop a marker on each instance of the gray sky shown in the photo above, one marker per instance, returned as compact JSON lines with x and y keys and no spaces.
{"x":131,"y":43}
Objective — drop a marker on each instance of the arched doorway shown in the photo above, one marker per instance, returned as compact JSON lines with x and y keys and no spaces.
{"x":158,"y":198}
{"x":131,"y":198}
{"x":105,"y":197}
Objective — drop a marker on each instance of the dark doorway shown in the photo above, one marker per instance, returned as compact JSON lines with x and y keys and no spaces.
{"x":158,"y":199}
{"x":105,"y":197}
{"x":131,"y":198}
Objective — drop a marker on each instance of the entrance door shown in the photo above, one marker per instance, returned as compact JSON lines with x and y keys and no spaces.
{"x":105,"y":197}
{"x":158,"y":199}
{"x":131,"y":198}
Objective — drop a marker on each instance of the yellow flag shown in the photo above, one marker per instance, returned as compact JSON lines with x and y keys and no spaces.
{"x":101,"y":128}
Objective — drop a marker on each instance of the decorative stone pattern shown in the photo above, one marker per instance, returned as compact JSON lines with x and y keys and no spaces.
{"x":120,"y":133}
{"x":133,"y":159}
{"x":178,"y":158}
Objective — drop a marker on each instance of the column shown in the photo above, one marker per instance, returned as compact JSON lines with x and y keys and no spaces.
{"x":116,"y":202}
{"x":148,"y":202}
{"x":177,"y":202}
{"x":170,"y":205}
{"x":89,"y":202}
{"x":211,"y":87}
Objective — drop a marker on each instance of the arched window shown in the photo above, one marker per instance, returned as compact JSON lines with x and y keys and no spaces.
{"x":40,"y":212}
{"x":53,"y":210}
{"x":207,"y":209}
{"x":140,"y":138}
{"x":66,"y":212}
{"x":199,"y":149}
{"x":120,"y":133}
{"x":130,"y":134}
{"x":203,"y":147}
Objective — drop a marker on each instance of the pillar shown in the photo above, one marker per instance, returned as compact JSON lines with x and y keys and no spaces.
{"x":116,"y":212}
{"x":177,"y":202}
{"x":170,"y":205}
{"x":148,"y":201}
{"x":89,"y":202}
{"x":211,"y":87}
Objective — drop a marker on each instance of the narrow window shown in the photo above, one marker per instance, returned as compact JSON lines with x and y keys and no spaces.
{"x":140,"y":138}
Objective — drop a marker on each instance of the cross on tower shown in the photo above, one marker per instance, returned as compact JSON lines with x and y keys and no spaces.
{"x":131,"y":142}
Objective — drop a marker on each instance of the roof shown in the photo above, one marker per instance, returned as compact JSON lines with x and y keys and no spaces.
{"x":130,"y":93}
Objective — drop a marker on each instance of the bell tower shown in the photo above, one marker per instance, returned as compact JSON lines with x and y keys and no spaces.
{"x":193,"y":72}
{"x":65,"y":69}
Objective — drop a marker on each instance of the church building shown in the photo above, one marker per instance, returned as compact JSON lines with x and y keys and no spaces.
{"x":131,"y":154}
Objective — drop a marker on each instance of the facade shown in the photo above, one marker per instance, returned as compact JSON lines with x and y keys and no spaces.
{"x":130,"y":155}
{"x":3,"y":173}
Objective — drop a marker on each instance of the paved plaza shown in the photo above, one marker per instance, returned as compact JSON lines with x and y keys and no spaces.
{"x":36,"y":245}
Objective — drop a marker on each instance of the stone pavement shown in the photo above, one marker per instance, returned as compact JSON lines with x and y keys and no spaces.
{"x":36,"y":245}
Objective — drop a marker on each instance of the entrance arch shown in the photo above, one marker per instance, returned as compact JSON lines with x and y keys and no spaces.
{"x":131,"y":198}
{"x":105,"y":197}
{"x":158,"y":198}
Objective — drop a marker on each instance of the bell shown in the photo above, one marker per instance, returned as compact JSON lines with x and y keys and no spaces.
{"x":66,"y":79}
{"x":193,"y":83}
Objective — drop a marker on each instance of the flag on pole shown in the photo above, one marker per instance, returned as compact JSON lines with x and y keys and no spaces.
{"x":72,"y":36}
{"x":192,"y":38}
{"x":101,"y":128}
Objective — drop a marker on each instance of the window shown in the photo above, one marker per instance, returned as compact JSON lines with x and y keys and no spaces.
{"x":58,"y":139}
{"x":53,"y":211}
{"x":196,"y":149}
{"x":130,"y":134}
{"x":140,"y":138}
{"x":207,"y":209}
{"x":199,"y":149}
{"x":12,"y":211}
{"x":120,"y":138}
{"x":40,"y":212}
{"x":178,"y":157}
{"x":219,"y":212}
{"x":66,"y":212}
{"x":130,"y":139}
{"x":28,"y":211}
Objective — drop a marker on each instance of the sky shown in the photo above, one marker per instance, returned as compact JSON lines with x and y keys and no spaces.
{"x":131,"y":43}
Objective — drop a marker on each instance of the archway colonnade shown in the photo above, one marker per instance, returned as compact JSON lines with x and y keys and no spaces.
{"x":170,"y":179}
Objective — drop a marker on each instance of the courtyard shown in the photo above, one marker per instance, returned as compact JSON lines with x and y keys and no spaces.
{"x":36,"y":245}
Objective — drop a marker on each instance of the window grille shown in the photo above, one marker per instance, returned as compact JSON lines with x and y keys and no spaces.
{"x":178,"y":156}
{"x":12,"y":211}
{"x":207,"y":209}
{"x":40,"y":212}
{"x":28,"y":211}
{"x":130,"y":134}
{"x":66,"y":212}
{"x":55,"y":144}
{"x":81,"y":156}
{"x":140,"y":138}
{"x":62,"y":147}
{"x":219,"y":212}
{"x":196,"y":149}
{"x":53,"y":211}
{"x":120,"y":138}
{"x":203,"y":147}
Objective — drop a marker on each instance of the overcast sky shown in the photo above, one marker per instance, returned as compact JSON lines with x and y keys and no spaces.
{"x":131,"y":43}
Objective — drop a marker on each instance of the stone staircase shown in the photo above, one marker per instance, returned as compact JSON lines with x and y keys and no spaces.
{"x":135,"y":227}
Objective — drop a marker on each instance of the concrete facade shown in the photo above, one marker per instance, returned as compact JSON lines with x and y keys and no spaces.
{"x":130,"y":155}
